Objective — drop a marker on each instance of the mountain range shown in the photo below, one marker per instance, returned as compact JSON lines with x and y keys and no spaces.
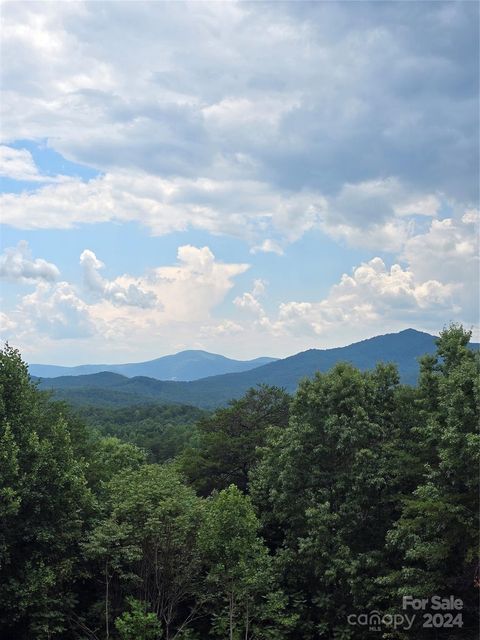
{"x":186,"y":365}
{"x":113,"y":389}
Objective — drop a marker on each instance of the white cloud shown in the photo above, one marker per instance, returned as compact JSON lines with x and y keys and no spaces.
{"x":295,"y":107}
{"x":364,"y":215}
{"x":359,"y":120}
{"x":268,"y":246}
{"x":370,"y":300}
{"x":440,"y":283}
{"x":235,"y":207}
{"x":60,"y":206}
{"x":249,"y":300}
{"x":17,"y":265}
{"x":130,"y":295}
{"x":426,"y":206}
{"x":396,"y":288}
{"x":7,"y":325}
{"x":224,"y":328}
{"x":373,"y":299}
{"x":389,"y":236}
{"x":17,"y":164}
{"x":295,"y":88}
{"x":259,"y":287}
{"x":56,"y":311}
{"x":244,"y":119}
{"x":448,"y":250}
{"x":191,"y":289}
{"x":375,"y":214}
{"x":166,"y":306}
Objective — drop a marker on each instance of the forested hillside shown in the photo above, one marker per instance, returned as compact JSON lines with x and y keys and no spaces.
{"x":162,"y":431}
{"x":112,"y":389}
{"x":276,"y":517}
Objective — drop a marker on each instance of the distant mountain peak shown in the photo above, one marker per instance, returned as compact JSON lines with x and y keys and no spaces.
{"x":412,"y":332}
{"x":403,"y":349}
{"x":187,"y":365}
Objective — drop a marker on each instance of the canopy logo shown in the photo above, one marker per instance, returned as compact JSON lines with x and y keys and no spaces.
{"x":435,"y":612}
{"x":374,"y":620}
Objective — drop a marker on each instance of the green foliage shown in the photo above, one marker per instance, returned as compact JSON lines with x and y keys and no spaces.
{"x":163,"y":431}
{"x":45,"y":505}
{"x":340,"y":500}
{"x":147,"y":543}
{"x":247,"y":602}
{"x":437,"y":531}
{"x":371,"y":475}
{"x":138,"y":624}
{"x":322,"y":491}
{"x":227,"y":443}
{"x":110,"y":456}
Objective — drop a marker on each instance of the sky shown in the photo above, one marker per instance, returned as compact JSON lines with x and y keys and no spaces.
{"x":247,"y":178}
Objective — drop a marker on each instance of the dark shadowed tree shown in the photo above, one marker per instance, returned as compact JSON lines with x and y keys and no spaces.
{"x":437,"y":532}
{"x":226,"y":449}
{"x":45,"y":504}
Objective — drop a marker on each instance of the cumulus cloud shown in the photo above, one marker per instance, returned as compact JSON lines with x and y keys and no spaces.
{"x":376,"y":214}
{"x":268,"y":246}
{"x":312,"y":113}
{"x":348,"y":106}
{"x":250,"y":302}
{"x":374,"y":298}
{"x":17,"y":265}
{"x":186,"y":293}
{"x":448,"y":250}
{"x":373,"y":294}
{"x":17,"y":164}
{"x":168,"y":304}
{"x":7,"y":325}
{"x":223,"y":329}
{"x":438,"y":284}
{"x":259,"y":287}
{"x":193,"y":287}
{"x":56,"y":311}
{"x":236,"y":207}
{"x":250,"y":299}
{"x":357,"y":119}
{"x":114,"y":291}
{"x":395,"y":288}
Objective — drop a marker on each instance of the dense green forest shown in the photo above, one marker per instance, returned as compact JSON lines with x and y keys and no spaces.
{"x":277,"y":517}
{"x":163,"y":431}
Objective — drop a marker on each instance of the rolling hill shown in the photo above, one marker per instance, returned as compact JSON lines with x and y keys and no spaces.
{"x":186,"y":365}
{"x":112,"y":389}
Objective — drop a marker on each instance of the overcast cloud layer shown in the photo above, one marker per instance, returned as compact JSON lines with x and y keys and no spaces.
{"x":265,"y":123}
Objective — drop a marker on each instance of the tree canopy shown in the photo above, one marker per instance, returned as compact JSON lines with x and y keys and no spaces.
{"x":277,"y":517}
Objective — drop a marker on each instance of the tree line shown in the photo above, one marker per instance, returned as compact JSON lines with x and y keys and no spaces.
{"x":281,"y":517}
